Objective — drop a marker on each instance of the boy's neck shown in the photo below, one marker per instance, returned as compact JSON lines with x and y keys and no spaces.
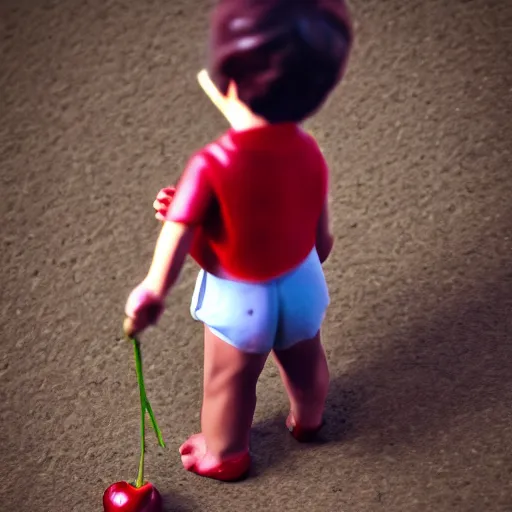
{"x":238,"y":115}
{"x":242,"y":120}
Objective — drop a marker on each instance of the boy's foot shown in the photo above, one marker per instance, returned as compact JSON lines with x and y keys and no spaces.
{"x":195,"y":458}
{"x":302,"y":434}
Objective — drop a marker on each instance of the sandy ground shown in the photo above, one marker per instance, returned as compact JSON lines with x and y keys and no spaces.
{"x":99,"y":109}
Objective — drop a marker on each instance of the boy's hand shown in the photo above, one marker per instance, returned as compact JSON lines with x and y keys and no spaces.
{"x":143,"y":308}
{"x":163,"y":201}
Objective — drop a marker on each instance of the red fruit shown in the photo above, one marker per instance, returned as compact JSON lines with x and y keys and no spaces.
{"x":124,"y":497}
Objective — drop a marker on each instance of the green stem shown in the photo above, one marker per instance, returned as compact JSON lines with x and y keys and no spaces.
{"x":154,"y":424}
{"x":144,"y":406}
{"x":142,"y":393}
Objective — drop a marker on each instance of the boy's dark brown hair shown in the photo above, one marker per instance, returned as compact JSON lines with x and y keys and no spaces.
{"x":285,"y":56}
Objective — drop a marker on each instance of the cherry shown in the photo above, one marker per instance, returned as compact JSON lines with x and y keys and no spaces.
{"x":124,"y":497}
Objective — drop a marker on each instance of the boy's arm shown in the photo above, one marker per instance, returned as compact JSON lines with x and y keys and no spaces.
{"x":171,"y":250}
{"x":186,"y":211}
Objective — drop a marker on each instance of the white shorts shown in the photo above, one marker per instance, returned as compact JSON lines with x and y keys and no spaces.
{"x":259,"y":317}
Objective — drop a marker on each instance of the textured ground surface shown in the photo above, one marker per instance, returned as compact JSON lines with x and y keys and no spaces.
{"x":99,"y":108}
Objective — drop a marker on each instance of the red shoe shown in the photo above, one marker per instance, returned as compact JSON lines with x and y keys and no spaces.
{"x":198,"y":460}
{"x":230,"y":470}
{"x":301,"y":434}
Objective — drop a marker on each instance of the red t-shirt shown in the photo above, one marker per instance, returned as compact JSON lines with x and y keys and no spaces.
{"x":255,"y":197}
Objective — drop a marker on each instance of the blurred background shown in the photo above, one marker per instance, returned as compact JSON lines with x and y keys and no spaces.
{"x":99,"y":109}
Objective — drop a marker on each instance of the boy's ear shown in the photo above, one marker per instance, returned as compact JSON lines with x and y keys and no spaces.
{"x":211,"y":90}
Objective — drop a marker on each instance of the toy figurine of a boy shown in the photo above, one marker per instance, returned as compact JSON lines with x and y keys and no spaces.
{"x":251,"y":208}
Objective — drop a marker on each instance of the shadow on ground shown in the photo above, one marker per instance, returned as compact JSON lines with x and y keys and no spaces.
{"x":453,"y":365}
{"x":174,"y":502}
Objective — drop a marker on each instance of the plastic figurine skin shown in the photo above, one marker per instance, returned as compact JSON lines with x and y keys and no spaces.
{"x":251,"y":208}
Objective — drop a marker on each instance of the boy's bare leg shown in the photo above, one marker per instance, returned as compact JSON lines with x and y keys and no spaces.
{"x":229,"y":401}
{"x":305,"y":374}
{"x":229,"y":396}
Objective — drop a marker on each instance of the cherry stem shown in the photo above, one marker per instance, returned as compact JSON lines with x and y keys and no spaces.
{"x":145,"y":406}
